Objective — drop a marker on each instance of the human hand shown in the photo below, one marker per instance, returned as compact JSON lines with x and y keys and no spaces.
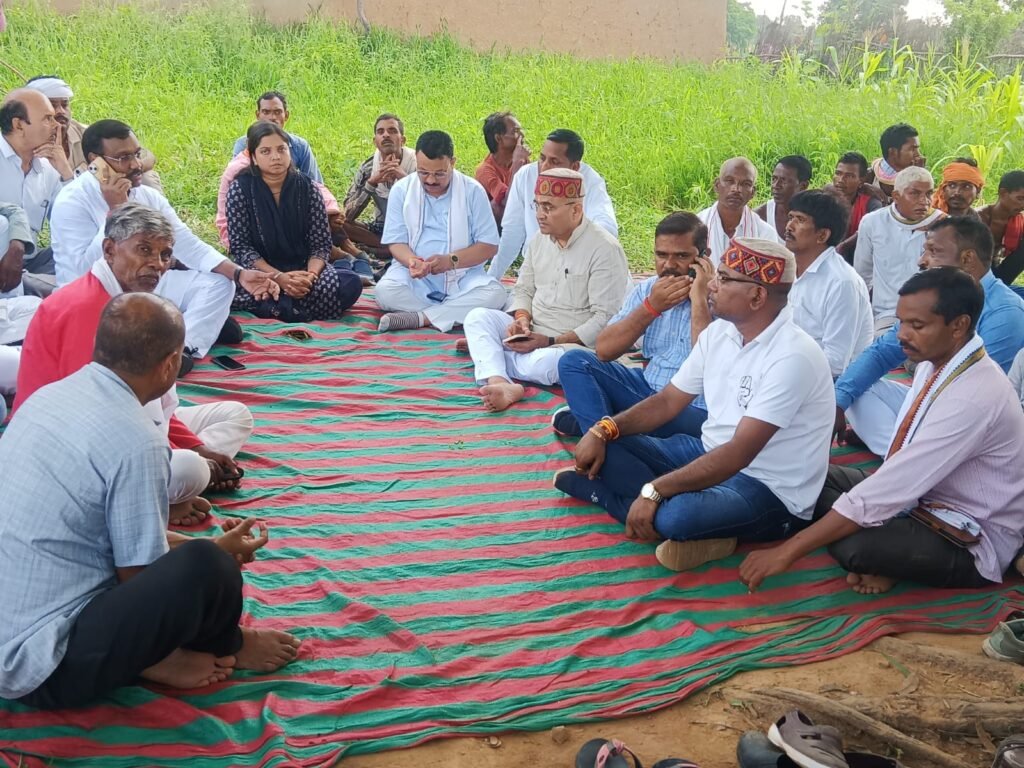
{"x":239,"y":541}
{"x":519,"y":326}
{"x":440,"y":263}
{"x":669,"y":291}
{"x":704,"y":272}
{"x":225,"y":473}
{"x":758,"y":566}
{"x":640,"y":520}
{"x":839,"y":428}
{"x":589,"y":455}
{"x":295,"y":284}
{"x":536,"y":341}
{"x":115,"y":190}
{"x":521,"y":154}
{"x":11,"y":266}
{"x":54,"y":153}
{"x":259,"y":284}
{"x":419,"y":268}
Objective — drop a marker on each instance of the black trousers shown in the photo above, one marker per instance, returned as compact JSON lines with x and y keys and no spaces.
{"x":189,"y":598}
{"x":902,"y":548}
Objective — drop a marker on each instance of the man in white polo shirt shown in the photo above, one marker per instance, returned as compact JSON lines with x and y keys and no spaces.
{"x":890,"y":242}
{"x":829,"y":299}
{"x":756,"y":471}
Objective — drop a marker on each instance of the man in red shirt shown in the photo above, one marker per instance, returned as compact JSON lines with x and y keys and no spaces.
{"x":508,"y":153}
{"x":60,"y":338}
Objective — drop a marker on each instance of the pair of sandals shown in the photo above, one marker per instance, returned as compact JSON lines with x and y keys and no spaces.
{"x":612,"y":753}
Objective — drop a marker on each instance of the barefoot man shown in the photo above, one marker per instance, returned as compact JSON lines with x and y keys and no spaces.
{"x":946,"y":464}
{"x":97,"y":594}
{"x":572,"y":282}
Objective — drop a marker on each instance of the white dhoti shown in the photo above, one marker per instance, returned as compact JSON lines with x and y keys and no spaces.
{"x":873,"y":414}
{"x":15,"y":314}
{"x":485,"y":329}
{"x":398,"y":291}
{"x":204,"y":299}
{"x":223,"y":427}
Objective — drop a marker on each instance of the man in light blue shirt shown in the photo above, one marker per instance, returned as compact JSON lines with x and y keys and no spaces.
{"x":96,"y":592}
{"x":272,"y":106}
{"x":871,"y":401}
{"x":668,"y":311}
{"x":441,"y":231}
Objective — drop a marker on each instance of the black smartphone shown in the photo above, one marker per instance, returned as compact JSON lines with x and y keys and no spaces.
{"x":692,"y":273}
{"x":227,"y":362}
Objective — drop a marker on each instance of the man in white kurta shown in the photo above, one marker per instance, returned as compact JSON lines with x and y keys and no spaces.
{"x":890,"y":242}
{"x":829,"y":299}
{"x":562,"y":149}
{"x":203,"y":292}
{"x":441,"y":231}
{"x":573,"y":280}
{"x":731,"y":215}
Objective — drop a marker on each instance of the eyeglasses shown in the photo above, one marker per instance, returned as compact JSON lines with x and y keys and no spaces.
{"x":124,"y":159}
{"x":435,"y":175}
{"x":548,"y":208}
{"x":723,"y":278}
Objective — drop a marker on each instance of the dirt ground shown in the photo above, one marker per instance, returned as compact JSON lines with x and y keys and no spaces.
{"x":706,"y":727}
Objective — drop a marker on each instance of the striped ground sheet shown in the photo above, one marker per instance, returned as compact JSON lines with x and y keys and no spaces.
{"x":441,"y":586}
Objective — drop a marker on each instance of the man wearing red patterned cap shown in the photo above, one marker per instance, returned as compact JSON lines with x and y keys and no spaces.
{"x":961,"y":184}
{"x":755,"y":472}
{"x":572,"y":282}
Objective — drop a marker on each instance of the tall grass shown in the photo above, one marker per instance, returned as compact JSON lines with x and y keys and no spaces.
{"x":657,"y":132}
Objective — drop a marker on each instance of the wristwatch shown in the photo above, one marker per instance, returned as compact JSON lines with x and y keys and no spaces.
{"x":454,"y":260}
{"x":649,"y":492}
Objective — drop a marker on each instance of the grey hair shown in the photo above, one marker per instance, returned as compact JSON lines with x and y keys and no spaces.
{"x":131,"y":218}
{"x":911,"y":175}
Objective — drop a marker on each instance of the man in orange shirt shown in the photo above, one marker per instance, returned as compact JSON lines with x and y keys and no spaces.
{"x":508,"y":153}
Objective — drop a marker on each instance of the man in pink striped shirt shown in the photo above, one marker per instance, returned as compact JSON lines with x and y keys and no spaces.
{"x":942,"y":510}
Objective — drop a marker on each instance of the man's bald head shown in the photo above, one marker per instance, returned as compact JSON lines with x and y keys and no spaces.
{"x":735,"y":184}
{"x":137,"y":333}
{"x":27,"y":119}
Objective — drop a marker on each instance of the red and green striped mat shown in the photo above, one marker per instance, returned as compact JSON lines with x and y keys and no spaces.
{"x":441,"y":586}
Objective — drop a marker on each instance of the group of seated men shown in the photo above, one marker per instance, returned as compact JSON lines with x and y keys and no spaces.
{"x":761,"y":339}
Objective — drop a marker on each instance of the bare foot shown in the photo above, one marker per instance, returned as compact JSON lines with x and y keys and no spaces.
{"x":265,"y":650}
{"x":190,"y":512}
{"x":863,"y":584}
{"x":190,"y":669}
{"x":498,"y":397}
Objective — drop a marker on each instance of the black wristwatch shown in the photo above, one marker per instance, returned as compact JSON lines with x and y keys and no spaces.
{"x":238,"y":276}
{"x":551,"y":341}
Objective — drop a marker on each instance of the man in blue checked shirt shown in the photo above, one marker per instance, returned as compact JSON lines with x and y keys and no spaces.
{"x":668,"y":312}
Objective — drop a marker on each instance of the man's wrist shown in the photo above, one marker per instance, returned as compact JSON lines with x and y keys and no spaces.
{"x":551,"y":341}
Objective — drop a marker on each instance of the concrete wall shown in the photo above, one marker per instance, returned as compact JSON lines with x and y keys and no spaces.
{"x":665,"y":29}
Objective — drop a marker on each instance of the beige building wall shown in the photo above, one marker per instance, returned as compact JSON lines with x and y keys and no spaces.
{"x":665,"y":29}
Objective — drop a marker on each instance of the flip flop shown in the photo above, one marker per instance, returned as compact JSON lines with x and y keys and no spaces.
{"x":806,"y":744}
{"x":675,"y":762}
{"x":606,"y":753}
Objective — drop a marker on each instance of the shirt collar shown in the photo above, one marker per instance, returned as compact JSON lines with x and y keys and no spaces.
{"x":576,"y":235}
{"x":102,"y":370}
{"x":824,"y":256}
{"x":988,"y":281}
{"x":8,"y":153}
{"x":767,"y":334}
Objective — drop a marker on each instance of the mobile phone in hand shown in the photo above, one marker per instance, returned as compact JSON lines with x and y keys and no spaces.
{"x":516,"y":337}
{"x":227,"y":362}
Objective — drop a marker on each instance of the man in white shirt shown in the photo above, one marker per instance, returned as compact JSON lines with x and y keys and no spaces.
{"x":203,"y":292}
{"x":890,"y":242}
{"x":573,"y":280}
{"x":562,"y":149}
{"x":829,"y":300}
{"x":755,"y":472}
{"x":33,"y":166}
{"x":441,"y":231}
{"x":731,"y":216}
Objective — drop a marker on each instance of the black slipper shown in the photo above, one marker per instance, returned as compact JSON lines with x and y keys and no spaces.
{"x":606,"y":753}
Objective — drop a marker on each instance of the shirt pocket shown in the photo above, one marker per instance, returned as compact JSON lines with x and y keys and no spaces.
{"x":573,"y":291}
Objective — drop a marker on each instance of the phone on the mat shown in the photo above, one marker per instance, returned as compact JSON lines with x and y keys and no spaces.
{"x":227,"y":362}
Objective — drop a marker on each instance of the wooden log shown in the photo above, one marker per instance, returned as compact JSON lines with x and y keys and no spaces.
{"x":778,"y":700}
{"x":916,"y":714}
{"x":976,"y":666}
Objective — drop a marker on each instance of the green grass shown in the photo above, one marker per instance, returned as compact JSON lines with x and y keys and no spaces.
{"x":657,"y":132}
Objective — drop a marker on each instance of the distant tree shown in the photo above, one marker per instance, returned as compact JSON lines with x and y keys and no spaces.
{"x":740,"y":26}
{"x":845,"y":22}
{"x":982,"y":24}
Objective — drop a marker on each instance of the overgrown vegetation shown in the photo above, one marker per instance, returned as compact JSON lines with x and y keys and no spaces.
{"x":657,"y":132}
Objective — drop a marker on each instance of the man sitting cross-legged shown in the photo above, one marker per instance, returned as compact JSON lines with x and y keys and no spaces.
{"x":668,"y":311}
{"x":959,"y":430}
{"x":97,"y":594}
{"x":136,"y":253}
{"x":756,"y":470}
{"x":829,"y":299}
{"x":203,"y":292}
{"x":441,"y":231}
{"x":573,"y":279}
{"x":871,"y":401}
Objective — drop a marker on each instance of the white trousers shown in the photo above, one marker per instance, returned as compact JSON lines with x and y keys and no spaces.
{"x":10,"y":357}
{"x":395,"y":295}
{"x":223,"y":427}
{"x":204,"y":299}
{"x":485,"y":328}
{"x":15,"y":315}
{"x":873,"y":414}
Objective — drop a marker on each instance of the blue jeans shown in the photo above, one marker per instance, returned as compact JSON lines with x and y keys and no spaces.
{"x":594,"y":389}
{"x":739,"y":507}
